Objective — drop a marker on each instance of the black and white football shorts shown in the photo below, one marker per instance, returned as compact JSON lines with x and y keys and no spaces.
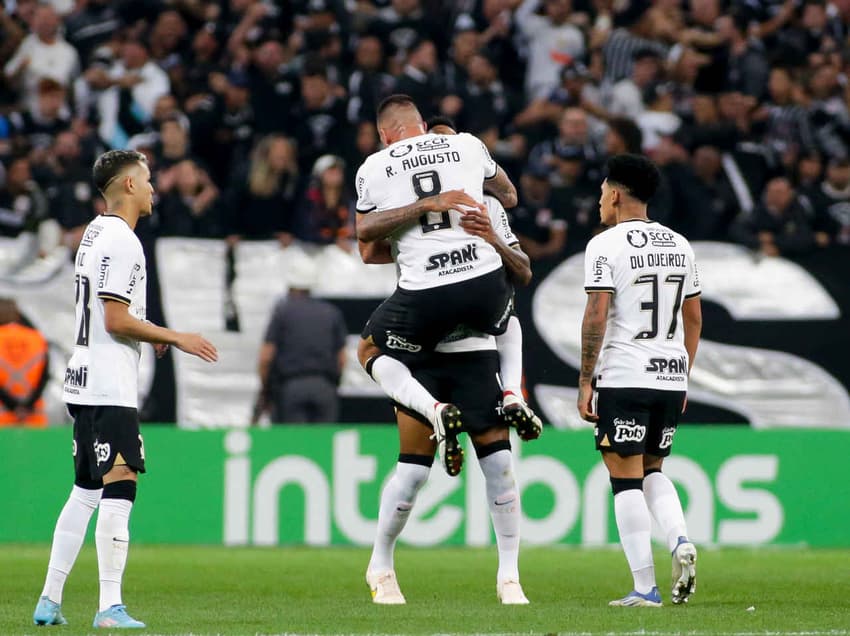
{"x":101,"y":434}
{"x":410,"y":323}
{"x":636,"y":421}
{"x":468,"y":380}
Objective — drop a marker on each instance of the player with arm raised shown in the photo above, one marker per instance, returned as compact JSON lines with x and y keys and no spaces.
{"x":639,"y":338}
{"x":413,"y":192}
{"x":101,"y":388}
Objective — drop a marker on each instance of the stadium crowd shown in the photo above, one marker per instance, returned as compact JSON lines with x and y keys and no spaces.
{"x":255,"y":114}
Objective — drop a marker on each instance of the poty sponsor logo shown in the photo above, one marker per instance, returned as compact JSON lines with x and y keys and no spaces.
{"x":628,"y":431}
{"x":399,"y":343}
{"x":667,"y":437}
{"x":102,"y":452}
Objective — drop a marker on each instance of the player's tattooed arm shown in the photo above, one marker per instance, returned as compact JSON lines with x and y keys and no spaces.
{"x":593,"y":333}
{"x":692,"y":321}
{"x":377,"y":225}
{"x":501,"y":187}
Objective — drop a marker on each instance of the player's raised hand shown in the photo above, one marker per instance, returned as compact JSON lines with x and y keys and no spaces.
{"x":454,"y":199}
{"x":477,"y":222}
{"x":160,"y":349}
{"x":197,"y":345}
{"x":585,"y":403}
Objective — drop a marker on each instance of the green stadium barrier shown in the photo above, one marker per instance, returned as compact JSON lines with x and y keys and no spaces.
{"x":320,"y":486}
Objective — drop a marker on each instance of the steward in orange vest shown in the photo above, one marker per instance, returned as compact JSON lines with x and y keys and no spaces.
{"x":23,"y":370}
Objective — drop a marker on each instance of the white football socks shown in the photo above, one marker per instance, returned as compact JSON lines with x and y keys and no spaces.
{"x":68,"y":538}
{"x":509,"y":345}
{"x":665,"y":506}
{"x":397,"y":382}
{"x":634,"y":524}
{"x":112,"y":538}
{"x":503,"y":499}
{"x":396,"y":502}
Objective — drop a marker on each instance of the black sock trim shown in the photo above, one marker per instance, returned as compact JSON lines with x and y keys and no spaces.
{"x":649,"y":471}
{"x":420,"y":460}
{"x":124,"y":489}
{"x":621,"y":484}
{"x":370,"y":362}
{"x":493,"y":447}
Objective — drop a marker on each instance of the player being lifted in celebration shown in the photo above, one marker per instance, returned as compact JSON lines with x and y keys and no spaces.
{"x":464,"y":370}
{"x":101,"y":388}
{"x":639,"y":337}
{"x":414,"y":193}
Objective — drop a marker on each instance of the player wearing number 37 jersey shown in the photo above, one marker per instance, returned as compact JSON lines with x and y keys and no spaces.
{"x":639,"y":335}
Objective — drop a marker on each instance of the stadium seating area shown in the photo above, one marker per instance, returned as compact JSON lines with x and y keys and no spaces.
{"x":255,"y":114}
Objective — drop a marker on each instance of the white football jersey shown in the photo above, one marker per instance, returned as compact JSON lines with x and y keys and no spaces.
{"x":463,"y":338}
{"x":110,"y":264}
{"x":650,"y":270}
{"x":435,"y":250}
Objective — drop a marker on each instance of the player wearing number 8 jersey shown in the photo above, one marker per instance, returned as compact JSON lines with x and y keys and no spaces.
{"x":640,"y":334}
{"x":101,"y":388}
{"x":414,"y":193}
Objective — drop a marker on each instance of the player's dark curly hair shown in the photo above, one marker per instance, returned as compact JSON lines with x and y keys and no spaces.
{"x":110,"y":164}
{"x":440,"y":120}
{"x":635,"y":173}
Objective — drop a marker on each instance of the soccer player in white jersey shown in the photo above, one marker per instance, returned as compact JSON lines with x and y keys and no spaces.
{"x":639,"y":338}
{"x":464,"y":370}
{"x":415,"y":193}
{"x":101,"y":388}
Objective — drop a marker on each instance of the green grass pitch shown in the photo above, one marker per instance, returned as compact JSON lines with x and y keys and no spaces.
{"x":214,"y":590}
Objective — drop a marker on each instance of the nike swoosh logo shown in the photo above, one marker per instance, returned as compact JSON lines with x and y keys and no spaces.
{"x":120,"y":540}
{"x":504,"y":503}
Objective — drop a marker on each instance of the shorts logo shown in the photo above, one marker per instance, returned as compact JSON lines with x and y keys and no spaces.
{"x":142,"y":448}
{"x":636,"y":238}
{"x":102,"y":452}
{"x":667,"y":437}
{"x":74,"y":448}
{"x":628,"y":431}
{"x":399,"y":343}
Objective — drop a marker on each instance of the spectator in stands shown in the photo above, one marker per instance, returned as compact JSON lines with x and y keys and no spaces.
{"x":368,"y":82}
{"x":326,"y":213}
{"x":573,"y":130}
{"x":575,"y":197}
{"x":201,"y":65}
{"x":420,"y":80}
{"x":172,"y":145}
{"x":129,"y":90}
{"x":401,"y":25}
{"x":623,"y":135}
{"x":541,"y":230}
{"x":321,"y":118}
{"x":23,"y":206}
{"x":465,"y":43}
{"x":37,"y":126}
{"x":188,"y":202}
{"x":627,"y":95}
{"x":261,"y":201}
{"x":788,"y":130}
{"x":274,"y":86}
{"x":303,"y":354}
{"x":66,"y":178}
{"x":748,"y":68}
{"x":91,"y":25}
{"x":11,"y":36}
{"x":713,"y":196}
{"x":831,"y":202}
{"x":222,"y":127}
{"x":44,"y":53}
{"x":168,"y":40}
{"x":828,"y":112}
{"x":636,"y":30}
{"x":779,"y":226}
{"x":24,"y":370}
{"x":552,"y":40}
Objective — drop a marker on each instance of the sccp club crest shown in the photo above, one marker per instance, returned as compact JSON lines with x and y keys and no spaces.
{"x":636,"y":238}
{"x":400,"y":151}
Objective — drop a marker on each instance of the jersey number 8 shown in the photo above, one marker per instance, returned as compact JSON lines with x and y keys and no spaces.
{"x":427,"y":184}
